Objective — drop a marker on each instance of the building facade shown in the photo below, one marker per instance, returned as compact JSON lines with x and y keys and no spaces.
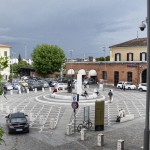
{"x":128,"y":62}
{"x":5,"y":52}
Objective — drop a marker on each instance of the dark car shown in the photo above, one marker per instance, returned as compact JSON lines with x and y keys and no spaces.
{"x":17,"y":122}
{"x":35,"y":85}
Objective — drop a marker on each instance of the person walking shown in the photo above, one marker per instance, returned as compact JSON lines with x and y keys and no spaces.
{"x":110,"y":94}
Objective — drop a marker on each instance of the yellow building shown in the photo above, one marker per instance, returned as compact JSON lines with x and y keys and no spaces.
{"x":5,"y":52}
{"x":132,"y":50}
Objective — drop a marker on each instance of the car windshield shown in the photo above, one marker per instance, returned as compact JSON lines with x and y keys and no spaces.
{"x":20,"y":120}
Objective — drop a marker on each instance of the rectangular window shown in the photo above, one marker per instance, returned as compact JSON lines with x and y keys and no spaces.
{"x":129,"y":76}
{"x":104,"y":75}
{"x":5,"y":53}
{"x":129,"y":56}
{"x":117,"y":57}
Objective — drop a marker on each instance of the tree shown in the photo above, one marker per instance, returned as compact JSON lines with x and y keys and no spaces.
{"x":47,"y":59}
{"x":3,"y":65}
{"x":19,"y":58}
{"x":103,"y":59}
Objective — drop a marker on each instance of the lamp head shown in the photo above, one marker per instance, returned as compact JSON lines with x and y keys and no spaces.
{"x":142,"y":26}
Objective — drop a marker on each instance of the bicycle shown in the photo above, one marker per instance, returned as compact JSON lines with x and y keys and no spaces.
{"x":86,"y":125}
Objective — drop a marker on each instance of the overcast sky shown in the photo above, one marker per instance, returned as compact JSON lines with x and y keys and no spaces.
{"x":84,"y":26}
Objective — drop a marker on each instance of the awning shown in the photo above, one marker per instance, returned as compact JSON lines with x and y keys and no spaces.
{"x":92,"y":73}
{"x":82,"y":72}
{"x":70,"y":72}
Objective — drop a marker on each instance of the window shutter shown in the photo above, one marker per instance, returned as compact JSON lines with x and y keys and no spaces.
{"x":131,"y":56}
{"x":140,"y":56}
{"x":115,"y":57}
{"x":145,"y":56}
{"x":119,"y":57}
{"x":127,"y":56}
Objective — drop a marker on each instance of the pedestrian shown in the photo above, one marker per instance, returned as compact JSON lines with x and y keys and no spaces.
{"x":110,"y":94}
{"x":4,"y":92}
{"x":124,"y":87}
{"x":55,"y":90}
{"x":120,"y":115}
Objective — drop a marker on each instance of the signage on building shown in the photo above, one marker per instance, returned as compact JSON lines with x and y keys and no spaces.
{"x":132,"y":66}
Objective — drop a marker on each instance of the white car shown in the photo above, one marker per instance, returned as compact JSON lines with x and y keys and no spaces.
{"x":128,"y":85}
{"x":119,"y":85}
{"x":142,"y":87}
{"x":61,"y":86}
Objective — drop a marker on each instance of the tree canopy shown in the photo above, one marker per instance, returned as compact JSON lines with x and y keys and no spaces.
{"x":3,"y":63}
{"x":47,"y":58}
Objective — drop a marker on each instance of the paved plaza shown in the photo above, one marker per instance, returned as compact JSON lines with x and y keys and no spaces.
{"x":42,"y":110}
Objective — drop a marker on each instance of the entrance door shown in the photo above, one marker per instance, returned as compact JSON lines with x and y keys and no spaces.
{"x":116,"y":78}
{"x":143,"y":76}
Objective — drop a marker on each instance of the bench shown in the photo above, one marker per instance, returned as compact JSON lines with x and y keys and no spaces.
{"x":127,"y":118}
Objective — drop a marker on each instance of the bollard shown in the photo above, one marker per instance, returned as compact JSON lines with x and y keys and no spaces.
{"x":43,"y":89}
{"x":19,"y":91}
{"x":83,"y":134}
{"x":11,"y":92}
{"x":50,"y":89}
{"x":100,"y":140}
{"x":52,"y":123}
{"x":27,"y":90}
{"x":35,"y":90}
{"x":69,"y":129}
{"x":120,"y":144}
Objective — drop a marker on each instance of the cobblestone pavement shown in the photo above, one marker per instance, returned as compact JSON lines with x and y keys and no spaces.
{"x":41,"y":137}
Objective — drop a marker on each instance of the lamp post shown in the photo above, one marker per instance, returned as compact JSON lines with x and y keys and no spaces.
{"x":12,"y":62}
{"x":146,"y":129}
{"x":71,"y":51}
{"x":104,"y":49}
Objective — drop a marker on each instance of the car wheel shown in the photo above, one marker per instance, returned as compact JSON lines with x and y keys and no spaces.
{"x":129,"y":88}
{"x":140,"y":89}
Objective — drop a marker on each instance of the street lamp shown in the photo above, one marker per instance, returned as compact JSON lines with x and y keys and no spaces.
{"x":105,"y":76}
{"x":142,"y":27}
{"x":71,"y":51}
{"x":12,"y":62}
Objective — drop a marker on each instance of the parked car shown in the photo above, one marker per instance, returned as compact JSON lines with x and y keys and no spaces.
{"x":130,"y":86}
{"x":61,"y":86}
{"x":142,"y":87}
{"x":15,"y":85}
{"x":17,"y":122}
{"x":45,"y":83}
{"x":8,"y":86}
{"x":23,"y":83}
{"x":88,"y":81}
{"x":35,"y":84}
{"x":53,"y":83}
{"x":119,"y":85}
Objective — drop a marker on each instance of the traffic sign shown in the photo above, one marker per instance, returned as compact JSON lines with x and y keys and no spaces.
{"x":75,"y":105}
{"x":74,"y":98}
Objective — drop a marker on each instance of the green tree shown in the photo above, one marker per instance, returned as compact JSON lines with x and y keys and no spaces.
{"x":19,"y":58}
{"x":3,"y":65}
{"x":47,"y":59}
{"x":16,"y":67}
{"x":103,"y":59}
